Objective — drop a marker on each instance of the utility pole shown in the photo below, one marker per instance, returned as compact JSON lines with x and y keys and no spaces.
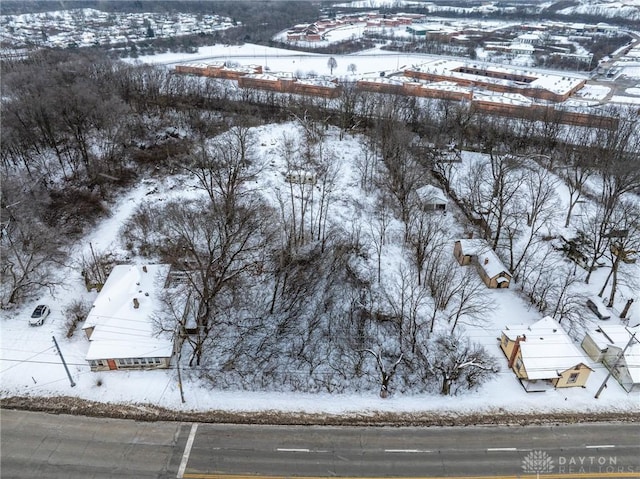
{"x":180,"y":379}
{"x":613,"y":366}
{"x":179,"y":339}
{"x":63,"y":362}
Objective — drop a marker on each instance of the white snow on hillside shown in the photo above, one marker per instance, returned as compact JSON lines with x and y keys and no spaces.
{"x":29,"y":365}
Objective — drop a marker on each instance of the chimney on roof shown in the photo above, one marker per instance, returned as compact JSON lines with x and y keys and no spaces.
{"x":136,"y":303}
{"x":144,"y":268}
{"x":486,"y":261}
{"x":516,"y":348}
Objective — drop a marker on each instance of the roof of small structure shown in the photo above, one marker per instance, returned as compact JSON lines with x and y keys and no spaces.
{"x":612,"y":335}
{"x":432,"y":194}
{"x":492,"y":265}
{"x":473,"y":246}
{"x":617,"y":336}
{"x":632,"y":361}
{"x":120,"y":330}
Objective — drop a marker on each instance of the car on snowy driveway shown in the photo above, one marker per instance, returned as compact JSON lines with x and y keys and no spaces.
{"x":39,"y":315}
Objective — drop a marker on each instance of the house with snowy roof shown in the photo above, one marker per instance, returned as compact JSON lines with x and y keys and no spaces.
{"x":432,"y":198}
{"x":607,"y":344}
{"x":543,"y":356}
{"x":120,"y":325}
{"x":478,"y":252}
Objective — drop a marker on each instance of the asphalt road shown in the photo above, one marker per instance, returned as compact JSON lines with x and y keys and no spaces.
{"x":38,"y":445}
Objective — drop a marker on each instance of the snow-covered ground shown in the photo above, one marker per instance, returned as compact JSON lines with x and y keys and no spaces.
{"x":593,"y":92}
{"x":367,"y":63}
{"x":29,"y":365}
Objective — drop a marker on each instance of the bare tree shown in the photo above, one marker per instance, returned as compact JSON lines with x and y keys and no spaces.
{"x":387,"y":372}
{"x":426,"y":235}
{"x":30,"y":254}
{"x":470,"y":304}
{"x":328,"y":171}
{"x":216,"y":250}
{"x":624,"y":244}
{"x":531,"y":211}
{"x":403,"y":173}
{"x":575,"y":169}
{"x":459,"y":364}
{"x":368,"y":163}
{"x":332,"y":63}
{"x":596,"y":226}
{"x":506,"y":180}
{"x":407,"y":301}
{"x":224,"y":165}
{"x":379,"y":227}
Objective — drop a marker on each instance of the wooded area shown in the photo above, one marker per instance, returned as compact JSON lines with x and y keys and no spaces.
{"x":276,"y":295}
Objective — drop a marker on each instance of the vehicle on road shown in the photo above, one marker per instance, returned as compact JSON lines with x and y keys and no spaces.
{"x":39,"y":315}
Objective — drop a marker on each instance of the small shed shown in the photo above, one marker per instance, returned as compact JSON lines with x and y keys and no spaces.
{"x":466,"y":250}
{"x":432,"y":198}
{"x":491,"y":270}
{"x":606,"y":345}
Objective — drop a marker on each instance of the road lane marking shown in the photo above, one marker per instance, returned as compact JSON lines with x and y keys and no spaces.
{"x":501,"y":449}
{"x":601,"y":446}
{"x":293,"y":449}
{"x":187,"y":451}
{"x":409,"y":451}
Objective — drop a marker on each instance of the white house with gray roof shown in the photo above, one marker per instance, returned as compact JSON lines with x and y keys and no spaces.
{"x":120,"y":326}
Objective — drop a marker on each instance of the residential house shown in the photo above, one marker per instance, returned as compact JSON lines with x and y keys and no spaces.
{"x":491,"y":270}
{"x":120,"y":324}
{"x":606,"y":345}
{"x":543,"y":356}
{"x":432,"y":198}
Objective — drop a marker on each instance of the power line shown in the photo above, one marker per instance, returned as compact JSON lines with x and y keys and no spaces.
{"x":26,"y":360}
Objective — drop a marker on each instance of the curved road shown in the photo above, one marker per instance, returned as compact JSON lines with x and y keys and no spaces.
{"x":38,"y":445}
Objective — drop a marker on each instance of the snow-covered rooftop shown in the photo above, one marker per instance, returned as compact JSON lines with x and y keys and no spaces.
{"x":491,"y":264}
{"x":547,"y":349}
{"x":432,"y":194}
{"x":556,"y":83}
{"x":122,"y":314}
{"x":473,"y":246}
{"x":618,"y":336}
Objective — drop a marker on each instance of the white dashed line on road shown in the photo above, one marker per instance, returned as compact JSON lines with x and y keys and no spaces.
{"x":187,"y":451}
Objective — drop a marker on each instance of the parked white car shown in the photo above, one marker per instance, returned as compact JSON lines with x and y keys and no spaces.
{"x":39,"y":315}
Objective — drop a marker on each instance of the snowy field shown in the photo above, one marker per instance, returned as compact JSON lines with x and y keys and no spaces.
{"x":29,"y":365}
{"x":367,"y":63}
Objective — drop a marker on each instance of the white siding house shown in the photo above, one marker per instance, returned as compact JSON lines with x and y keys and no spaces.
{"x":120,"y":325}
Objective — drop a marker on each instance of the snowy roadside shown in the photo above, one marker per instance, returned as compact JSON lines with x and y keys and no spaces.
{"x":145,"y":412}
